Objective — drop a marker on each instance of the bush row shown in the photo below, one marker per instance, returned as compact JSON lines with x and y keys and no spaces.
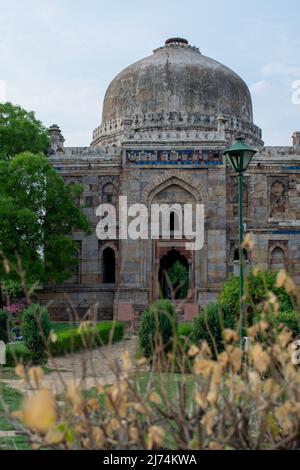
{"x":37,"y":346}
{"x":158,"y":323}
{"x":77,"y":339}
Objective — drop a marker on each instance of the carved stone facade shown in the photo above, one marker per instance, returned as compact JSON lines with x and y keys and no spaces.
{"x":166,"y":122}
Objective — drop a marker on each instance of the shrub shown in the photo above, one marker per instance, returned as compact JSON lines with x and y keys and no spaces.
{"x":184,"y":330}
{"x":36,"y":327}
{"x":17,"y":353}
{"x":230,"y":295}
{"x":3,"y":326}
{"x":256,"y":291}
{"x":210,"y":323}
{"x":158,"y":325}
{"x":78,"y":339}
{"x":178,"y":276}
{"x":290,"y":320}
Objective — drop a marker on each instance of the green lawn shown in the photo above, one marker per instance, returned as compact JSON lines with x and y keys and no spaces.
{"x":12,"y":398}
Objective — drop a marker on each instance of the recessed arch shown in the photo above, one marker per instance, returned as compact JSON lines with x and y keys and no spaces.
{"x":108,"y":265}
{"x":173,"y":178}
{"x":277,"y":258}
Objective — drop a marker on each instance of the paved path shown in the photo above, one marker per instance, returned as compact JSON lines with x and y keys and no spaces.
{"x":89,"y":368}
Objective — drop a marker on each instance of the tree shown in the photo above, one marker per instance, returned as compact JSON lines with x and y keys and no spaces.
{"x":178,"y":276}
{"x":37,"y":211}
{"x":20,"y":131}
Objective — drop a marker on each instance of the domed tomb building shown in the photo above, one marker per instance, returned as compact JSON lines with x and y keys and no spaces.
{"x":166,"y":121}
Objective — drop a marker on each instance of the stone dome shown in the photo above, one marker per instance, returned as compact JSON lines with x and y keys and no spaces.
{"x":177,"y":77}
{"x":175,"y":87}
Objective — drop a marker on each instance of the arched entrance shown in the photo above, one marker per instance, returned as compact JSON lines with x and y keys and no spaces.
{"x":108,"y":266}
{"x":173,"y":275}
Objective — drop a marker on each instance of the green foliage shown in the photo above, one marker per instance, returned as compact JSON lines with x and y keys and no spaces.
{"x":36,"y":328}
{"x":256,"y":291}
{"x":291,"y":320}
{"x":37,"y":210}
{"x":210,"y":323}
{"x":178,"y":276}
{"x":230,"y":295}
{"x":75,"y":339}
{"x":17,"y":353}
{"x":184,"y":330}
{"x":20,"y":131}
{"x":69,"y":341}
{"x":12,"y":290}
{"x":158,"y":324}
{"x":3,"y":326}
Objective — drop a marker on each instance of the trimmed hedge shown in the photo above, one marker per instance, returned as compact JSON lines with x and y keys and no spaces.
{"x":74,"y":340}
{"x":69,"y":341}
{"x":17,"y":353}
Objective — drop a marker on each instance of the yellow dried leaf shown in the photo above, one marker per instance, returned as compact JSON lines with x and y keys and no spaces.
{"x":281,"y":278}
{"x":155,"y":398}
{"x":252,"y":331}
{"x":141,"y":362}
{"x":74,"y":395}
{"x":284,"y":416}
{"x":156,"y":435}
{"x":38,"y":411}
{"x":98,"y":436}
{"x":54,"y":437}
{"x":230,"y":335}
{"x":20,"y":371}
{"x":93,"y":405}
{"x":36,"y":374}
{"x":261,"y":358}
{"x":201,"y":399}
{"x":235,"y":359}
{"x":285,"y":337}
{"x":290,"y":286}
{"x":248,"y":242}
{"x":113,"y":426}
{"x":193,"y":351}
{"x":133,"y":433}
{"x":126,"y":360}
{"x":208,"y":421}
{"x":203,"y":366}
{"x":215,"y":446}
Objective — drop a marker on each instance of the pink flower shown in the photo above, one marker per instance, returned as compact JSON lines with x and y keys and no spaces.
{"x":15,"y":308}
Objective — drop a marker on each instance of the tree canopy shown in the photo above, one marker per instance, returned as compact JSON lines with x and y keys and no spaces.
{"x":37,"y":210}
{"x":20,"y":131}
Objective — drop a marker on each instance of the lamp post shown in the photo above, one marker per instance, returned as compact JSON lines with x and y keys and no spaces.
{"x":239,"y":156}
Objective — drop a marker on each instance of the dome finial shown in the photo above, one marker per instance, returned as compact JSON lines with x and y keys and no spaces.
{"x":176,"y":41}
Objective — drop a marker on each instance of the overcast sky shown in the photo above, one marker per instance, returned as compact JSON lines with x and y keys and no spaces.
{"x":58,"y":56}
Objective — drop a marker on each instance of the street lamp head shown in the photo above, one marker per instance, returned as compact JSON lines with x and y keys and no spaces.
{"x":240,"y":155}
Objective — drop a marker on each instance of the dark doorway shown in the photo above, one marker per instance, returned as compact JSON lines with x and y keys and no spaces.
{"x":174,"y":275}
{"x":108,"y":266}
